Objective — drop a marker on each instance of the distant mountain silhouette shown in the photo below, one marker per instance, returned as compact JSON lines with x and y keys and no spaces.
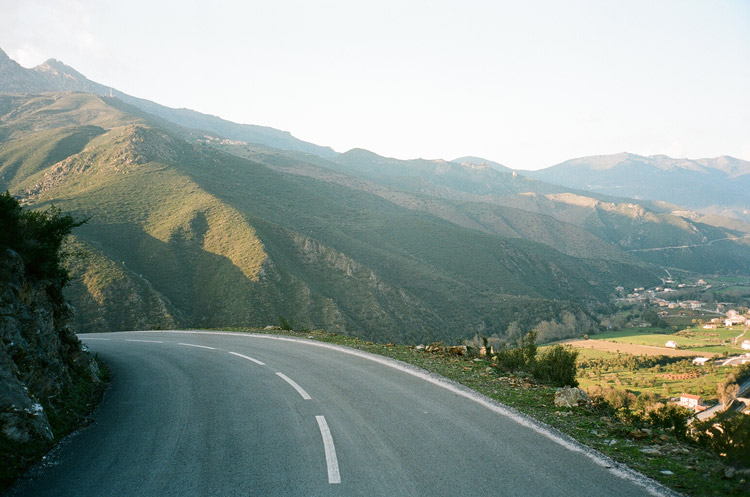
{"x":720,"y":185}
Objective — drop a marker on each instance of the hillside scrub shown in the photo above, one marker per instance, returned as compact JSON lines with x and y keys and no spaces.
{"x":726,"y":434}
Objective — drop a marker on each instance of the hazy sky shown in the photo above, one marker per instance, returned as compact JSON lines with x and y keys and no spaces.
{"x":525,"y":83}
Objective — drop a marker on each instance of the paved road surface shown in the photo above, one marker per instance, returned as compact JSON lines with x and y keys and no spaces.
{"x":202,"y":414}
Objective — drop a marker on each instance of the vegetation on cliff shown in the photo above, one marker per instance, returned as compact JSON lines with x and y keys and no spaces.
{"x":37,"y":237}
{"x":48,"y":383}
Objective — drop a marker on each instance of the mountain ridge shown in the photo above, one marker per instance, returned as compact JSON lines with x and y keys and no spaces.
{"x":225,"y":232}
{"x":321,"y":254}
{"x":721,"y":183}
{"x":54,"y":76}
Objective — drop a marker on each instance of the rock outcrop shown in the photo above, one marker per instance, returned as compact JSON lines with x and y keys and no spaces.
{"x":45,"y":374}
{"x":570,"y":397}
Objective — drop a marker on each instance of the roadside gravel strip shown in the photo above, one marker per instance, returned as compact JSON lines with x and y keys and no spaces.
{"x":378,"y":433}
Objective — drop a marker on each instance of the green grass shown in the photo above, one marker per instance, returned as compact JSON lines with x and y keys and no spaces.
{"x":695,"y":339}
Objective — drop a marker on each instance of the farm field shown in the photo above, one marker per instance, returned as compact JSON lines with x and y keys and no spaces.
{"x":610,"y":369}
{"x":625,"y":347}
{"x":636,"y":360}
{"x":691,"y":341}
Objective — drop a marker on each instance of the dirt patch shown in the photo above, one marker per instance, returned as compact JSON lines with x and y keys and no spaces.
{"x":629,"y":348}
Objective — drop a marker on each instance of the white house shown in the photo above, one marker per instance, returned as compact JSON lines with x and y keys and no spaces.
{"x":745,"y":344}
{"x":700,"y":361}
{"x":694,"y":402}
{"x":671,"y":344}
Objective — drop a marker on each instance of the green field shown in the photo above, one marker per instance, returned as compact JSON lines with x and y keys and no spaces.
{"x":598,"y":367}
{"x":695,"y":339}
{"x":623,"y":371}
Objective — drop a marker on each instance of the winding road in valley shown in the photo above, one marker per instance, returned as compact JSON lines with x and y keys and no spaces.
{"x":233,"y":414}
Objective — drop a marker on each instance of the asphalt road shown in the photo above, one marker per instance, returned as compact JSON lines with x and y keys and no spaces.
{"x":204,"y":414}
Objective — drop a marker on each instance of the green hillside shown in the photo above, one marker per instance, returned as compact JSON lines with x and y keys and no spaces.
{"x":476,"y":212}
{"x":577,"y":223}
{"x":661,"y":235}
{"x":182,"y":234}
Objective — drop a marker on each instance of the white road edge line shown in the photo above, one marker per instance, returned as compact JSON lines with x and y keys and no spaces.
{"x":194,"y":345}
{"x":143,"y":341}
{"x":256,"y":361}
{"x":94,"y":338}
{"x":331,"y":461}
{"x":299,"y":389}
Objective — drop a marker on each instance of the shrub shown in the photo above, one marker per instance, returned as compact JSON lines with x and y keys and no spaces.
{"x":557,"y":366}
{"x":284,"y":323}
{"x":518,"y":358}
{"x":671,"y":416}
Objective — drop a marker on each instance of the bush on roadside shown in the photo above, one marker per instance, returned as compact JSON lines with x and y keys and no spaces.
{"x":284,"y":324}
{"x":520,"y":357}
{"x":671,"y":417}
{"x":557,"y":366}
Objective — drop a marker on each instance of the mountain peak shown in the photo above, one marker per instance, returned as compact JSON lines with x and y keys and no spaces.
{"x":478,"y":161}
{"x":57,"y":67}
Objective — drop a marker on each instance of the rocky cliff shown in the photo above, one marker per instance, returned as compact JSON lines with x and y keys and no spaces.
{"x":47,"y":380}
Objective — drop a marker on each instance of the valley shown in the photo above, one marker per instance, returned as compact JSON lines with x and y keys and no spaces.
{"x":460,"y":267}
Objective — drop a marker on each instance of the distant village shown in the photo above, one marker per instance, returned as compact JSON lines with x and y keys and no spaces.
{"x":724,"y":318}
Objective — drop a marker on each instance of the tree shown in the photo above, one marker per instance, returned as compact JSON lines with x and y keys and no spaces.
{"x":36,"y":236}
{"x":728,"y":436}
{"x":727,"y":392}
{"x":514,"y":331}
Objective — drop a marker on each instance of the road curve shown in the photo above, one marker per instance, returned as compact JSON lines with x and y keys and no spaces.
{"x":232,"y":414}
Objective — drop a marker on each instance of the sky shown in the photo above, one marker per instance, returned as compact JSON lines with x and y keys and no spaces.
{"x":527,"y":83}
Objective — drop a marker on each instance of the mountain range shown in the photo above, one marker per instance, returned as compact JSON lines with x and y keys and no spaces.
{"x":724,"y":181}
{"x":199,"y":222}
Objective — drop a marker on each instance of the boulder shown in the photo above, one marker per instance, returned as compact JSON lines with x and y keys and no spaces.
{"x":570,"y":397}
{"x":434,"y":347}
{"x":638,"y":434}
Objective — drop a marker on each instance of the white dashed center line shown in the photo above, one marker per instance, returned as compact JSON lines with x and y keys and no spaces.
{"x":144,"y":341}
{"x":331,"y":461}
{"x":299,"y":389}
{"x":256,"y":361}
{"x":194,"y":345}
